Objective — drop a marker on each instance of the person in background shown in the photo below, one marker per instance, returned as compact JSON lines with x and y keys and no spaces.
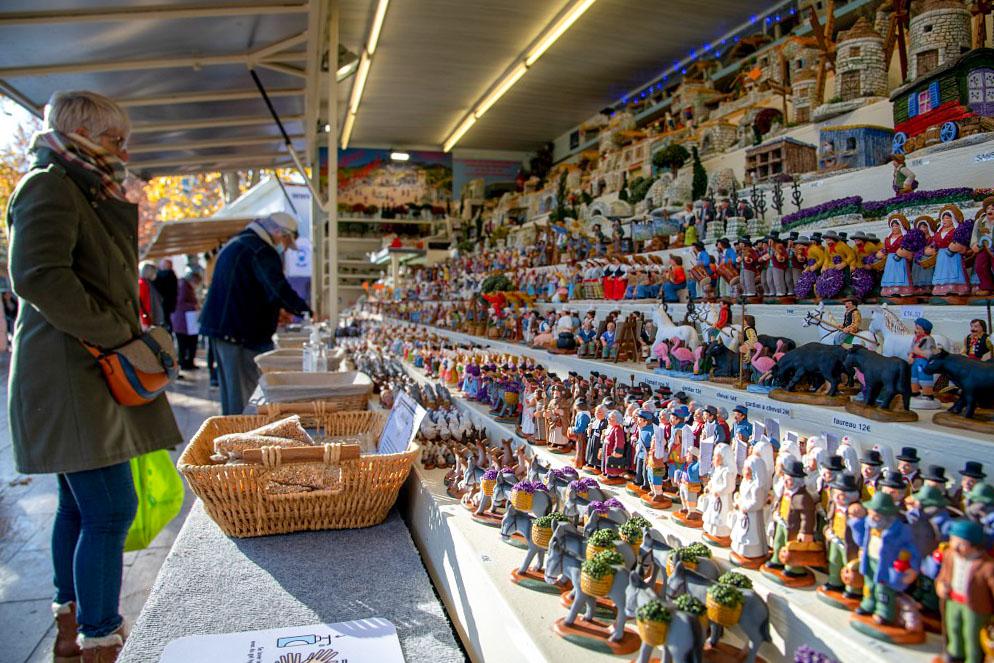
{"x":243,"y":303}
{"x":9,"y":311}
{"x":165,"y":282}
{"x":186,"y":302}
{"x":150,"y":300}
{"x":73,"y":261}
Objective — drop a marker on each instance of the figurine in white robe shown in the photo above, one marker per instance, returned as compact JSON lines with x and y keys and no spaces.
{"x":720,"y":491}
{"x":749,"y":528}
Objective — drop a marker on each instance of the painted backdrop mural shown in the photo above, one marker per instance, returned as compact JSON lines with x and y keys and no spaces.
{"x":368,"y":177}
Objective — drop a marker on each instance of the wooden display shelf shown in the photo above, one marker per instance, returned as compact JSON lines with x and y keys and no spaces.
{"x":499,"y":620}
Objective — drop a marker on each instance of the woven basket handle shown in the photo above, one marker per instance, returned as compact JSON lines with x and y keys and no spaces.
{"x":329,"y":454}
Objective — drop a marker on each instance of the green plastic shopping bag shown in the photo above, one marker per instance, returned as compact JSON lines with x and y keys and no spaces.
{"x":160,"y":497}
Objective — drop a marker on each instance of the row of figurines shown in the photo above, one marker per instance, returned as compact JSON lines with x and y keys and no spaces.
{"x":856,"y":516}
{"x":948,"y":256}
{"x":842,"y":362}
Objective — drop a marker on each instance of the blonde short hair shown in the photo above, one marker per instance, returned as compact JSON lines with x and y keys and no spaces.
{"x":69,"y":110}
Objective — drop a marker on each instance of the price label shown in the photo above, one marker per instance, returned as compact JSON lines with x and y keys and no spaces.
{"x":912,"y":312}
{"x":984,"y":156}
{"x":725,"y":396}
{"x":850,"y":424}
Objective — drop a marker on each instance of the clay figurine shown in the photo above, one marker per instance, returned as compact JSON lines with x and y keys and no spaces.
{"x":844,"y":583}
{"x":966,"y":586}
{"x":795,"y":519}
{"x":889,"y":562}
{"x":749,"y":547}
{"x":720,"y":491}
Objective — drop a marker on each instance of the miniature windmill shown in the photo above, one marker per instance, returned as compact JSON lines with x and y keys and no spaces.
{"x":897,"y":29}
{"x":826,"y":44}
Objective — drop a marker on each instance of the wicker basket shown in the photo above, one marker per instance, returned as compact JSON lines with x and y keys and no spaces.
{"x":653,"y":633}
{"x":236,"y":498}
{"x":592,"y":551}
{"x":541,"y":536}
{"x":521,"y":500}
{"x":488,"y":486}
{"x":722,"y":614}
{"x":315,"y":410}
{"x":691,"y":566}
{"x":592,"y":587}
{"x":292,"y":359}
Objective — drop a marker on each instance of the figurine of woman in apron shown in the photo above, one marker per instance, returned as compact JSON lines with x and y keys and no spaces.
{"x":950,"y":276}
{"x":720,"y":490}
{"x":923,"y":264}
{"x":896,"y":280}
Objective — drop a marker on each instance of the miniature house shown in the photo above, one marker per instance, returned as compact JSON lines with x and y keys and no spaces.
{"x":861,"y":146}
{"x":800,"y":56}
{"x":860,"y":64}
{"x":783,"y":156}
{"x":939,"y":33}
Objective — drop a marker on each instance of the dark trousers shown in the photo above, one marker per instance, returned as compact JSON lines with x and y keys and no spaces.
{"x":95,"y":511}
{"x":187,"y":344}
{"x":238,"y":375}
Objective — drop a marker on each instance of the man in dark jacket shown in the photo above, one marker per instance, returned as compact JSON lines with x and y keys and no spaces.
{"x":167,"y":286}
{"x":244,"y":301}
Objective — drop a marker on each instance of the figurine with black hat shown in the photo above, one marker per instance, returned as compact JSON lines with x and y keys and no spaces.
{"x":829,"y":468}
{"x":966,"y":586}
{"x":907,"y":464}
{"x":870,"y":467}
{"x":795,"y":518}
{"x":843,"y":589}
{"x":971,"y":474}
{"x":894,"y":484}
{"x":644,"y":434}
{"x":578,"y":430}
{"x":889,"y":563}
{"x":595,"y":435}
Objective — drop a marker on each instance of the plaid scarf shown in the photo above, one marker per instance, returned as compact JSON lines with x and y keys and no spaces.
{"x":78,"y":151}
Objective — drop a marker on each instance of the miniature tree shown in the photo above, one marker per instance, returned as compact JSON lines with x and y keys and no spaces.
{"x":778,"y":196}
{"x":673,"y":157}
{"x":700,"y":182}
{"x":733,"y":197}
{"x":795,"y":193}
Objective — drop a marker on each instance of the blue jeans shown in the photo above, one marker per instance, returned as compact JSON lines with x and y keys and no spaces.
{"x":918,"y":374}
{"x":96,"y":508}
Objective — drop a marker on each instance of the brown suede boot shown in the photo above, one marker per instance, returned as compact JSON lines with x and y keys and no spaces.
{"x":66,"y":649}
{"x":104,"y":649}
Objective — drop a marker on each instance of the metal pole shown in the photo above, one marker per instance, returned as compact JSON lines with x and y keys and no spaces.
{"x":331,"y":206}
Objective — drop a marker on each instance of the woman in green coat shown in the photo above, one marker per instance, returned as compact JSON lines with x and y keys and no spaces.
{"x":74,"y":265}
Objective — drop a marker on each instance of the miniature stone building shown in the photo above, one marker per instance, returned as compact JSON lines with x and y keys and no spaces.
{"x":860,"y":64}
{"x":940,"y":33}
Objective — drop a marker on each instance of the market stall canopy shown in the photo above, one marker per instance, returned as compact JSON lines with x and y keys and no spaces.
{"x":181,"y":69}
{"x":435,"y":58}
{"x":193,"y":236}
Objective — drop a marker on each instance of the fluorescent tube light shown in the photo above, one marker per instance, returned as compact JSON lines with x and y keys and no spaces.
{"x":458,"y":133}
{"x":501,"y":89}
{"x":359,"y":83}
{"x":575,"y":12}
{"x":374,"y":32}
{"x":347,"y":129}
{"x":399,"y":156}
{"x":346,"y":70}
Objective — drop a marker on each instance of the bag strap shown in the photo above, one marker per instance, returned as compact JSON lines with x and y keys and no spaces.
{"x":168,"y":365}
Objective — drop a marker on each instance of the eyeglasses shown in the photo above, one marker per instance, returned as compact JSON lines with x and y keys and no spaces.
{"x":119,"y":142}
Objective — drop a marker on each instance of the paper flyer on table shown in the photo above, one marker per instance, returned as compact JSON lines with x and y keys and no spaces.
{"x":371,"y":640}
{"x":402,"y":425}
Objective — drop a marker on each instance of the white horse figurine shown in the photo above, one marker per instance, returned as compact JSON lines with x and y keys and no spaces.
{"x":706,"y":316}
{"x":895,"y":337}
{"x":666,"y":330}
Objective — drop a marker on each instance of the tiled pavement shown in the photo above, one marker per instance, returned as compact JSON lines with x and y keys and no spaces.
{"x":27,"y":508}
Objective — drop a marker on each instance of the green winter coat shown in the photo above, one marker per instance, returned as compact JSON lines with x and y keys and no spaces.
{"x":74,"y":265}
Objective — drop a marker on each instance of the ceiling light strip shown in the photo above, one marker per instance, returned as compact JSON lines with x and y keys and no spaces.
{"x":548,"y":37}
{"x":362,"y":72}
{"x":561,"y":26}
